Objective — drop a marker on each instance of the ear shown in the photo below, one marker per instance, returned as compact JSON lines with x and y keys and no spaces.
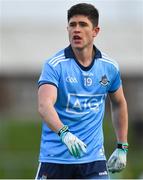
{"x":96,"y":31}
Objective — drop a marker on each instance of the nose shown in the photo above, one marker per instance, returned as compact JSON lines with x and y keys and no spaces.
{"x":77,"y":29}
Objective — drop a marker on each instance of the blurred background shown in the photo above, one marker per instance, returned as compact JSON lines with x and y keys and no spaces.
{"x":30,"y":32}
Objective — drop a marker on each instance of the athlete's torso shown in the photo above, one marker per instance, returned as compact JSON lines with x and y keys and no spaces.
{"x":80,"y":104}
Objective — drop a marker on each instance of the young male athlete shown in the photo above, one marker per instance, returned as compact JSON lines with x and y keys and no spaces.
{"x":73,"y":87}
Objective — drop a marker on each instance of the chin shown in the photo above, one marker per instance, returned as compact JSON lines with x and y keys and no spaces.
{"x":77,"y":46}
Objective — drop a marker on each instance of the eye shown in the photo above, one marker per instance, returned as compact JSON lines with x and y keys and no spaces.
{"x":72,"y":24}
{"x":83,"y":24}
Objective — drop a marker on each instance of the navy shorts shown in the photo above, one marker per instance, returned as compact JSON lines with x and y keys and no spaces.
{"x":92,"y":170}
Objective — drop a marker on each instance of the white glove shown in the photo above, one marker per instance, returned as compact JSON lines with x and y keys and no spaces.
{"x":75,"y":146}
{"x":117,"y":161}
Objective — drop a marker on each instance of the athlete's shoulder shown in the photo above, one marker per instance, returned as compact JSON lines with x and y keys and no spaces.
{"x":111,"y":62}
{"x":57,"y":58}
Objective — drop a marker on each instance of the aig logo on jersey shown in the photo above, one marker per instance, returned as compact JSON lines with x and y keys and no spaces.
{"x":71,"y":79}
{"x":84,"y":103}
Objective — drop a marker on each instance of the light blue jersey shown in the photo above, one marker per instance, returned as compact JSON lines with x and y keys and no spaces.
{"x":80,"y":104}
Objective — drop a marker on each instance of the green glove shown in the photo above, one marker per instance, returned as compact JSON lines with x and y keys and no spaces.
{"x":75,"y":146}
{"x":118,"y":159}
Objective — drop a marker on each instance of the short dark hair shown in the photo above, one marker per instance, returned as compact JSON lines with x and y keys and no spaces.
{"x":85,"y":9}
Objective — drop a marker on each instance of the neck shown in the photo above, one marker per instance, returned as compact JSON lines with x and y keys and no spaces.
{"x":84,"y":56}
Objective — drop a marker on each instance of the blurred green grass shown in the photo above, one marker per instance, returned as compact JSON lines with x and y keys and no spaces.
{"x":19,"y":150}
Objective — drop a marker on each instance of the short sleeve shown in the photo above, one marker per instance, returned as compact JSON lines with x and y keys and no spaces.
{"x":49,"y":75}
{"x":116,"y":83}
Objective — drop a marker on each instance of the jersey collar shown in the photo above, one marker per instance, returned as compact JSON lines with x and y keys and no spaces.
{"x":70,"y":54}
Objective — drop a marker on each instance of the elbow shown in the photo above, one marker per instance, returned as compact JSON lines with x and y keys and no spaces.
{"x":119,"y":103}
{"x":41,"y":110}
{"x":44,"y":107}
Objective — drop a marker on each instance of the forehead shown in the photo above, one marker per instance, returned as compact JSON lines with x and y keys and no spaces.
{"x":80,"y":18}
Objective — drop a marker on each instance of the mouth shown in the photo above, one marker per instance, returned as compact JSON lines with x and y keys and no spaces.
{"x":77,"y":38}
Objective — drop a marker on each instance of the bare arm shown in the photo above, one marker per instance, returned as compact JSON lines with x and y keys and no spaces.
{"x":47,"y":96}
{"x":119,"y":114}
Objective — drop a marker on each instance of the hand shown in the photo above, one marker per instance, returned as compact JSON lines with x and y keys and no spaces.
{"x":75,"y":145}
{"x":117,"y":161}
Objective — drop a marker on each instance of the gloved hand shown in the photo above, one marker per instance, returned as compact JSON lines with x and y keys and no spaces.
{"x":117,"y":161}
{"x":74,"y":145}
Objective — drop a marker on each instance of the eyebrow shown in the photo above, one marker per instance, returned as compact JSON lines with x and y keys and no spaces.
{"x":79,"y":22}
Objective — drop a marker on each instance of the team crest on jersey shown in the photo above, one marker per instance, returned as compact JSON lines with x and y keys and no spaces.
{"x":104,"y":80}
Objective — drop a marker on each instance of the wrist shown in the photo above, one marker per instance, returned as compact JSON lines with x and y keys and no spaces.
{"x":123,"y":146}
{"x":63,"y":130}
